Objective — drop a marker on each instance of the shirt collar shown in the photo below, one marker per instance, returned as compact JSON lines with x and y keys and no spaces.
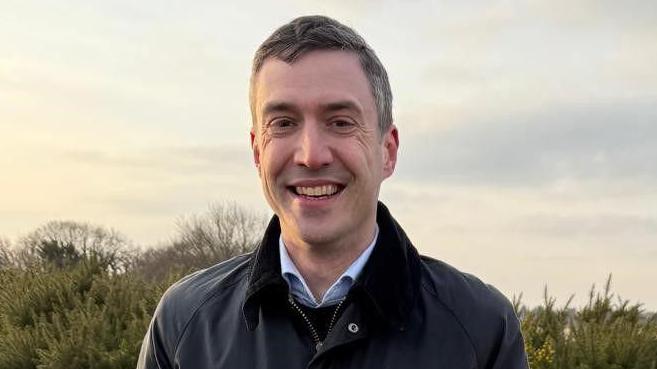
{"x":338,"y":290}
{"x":389,"y":283}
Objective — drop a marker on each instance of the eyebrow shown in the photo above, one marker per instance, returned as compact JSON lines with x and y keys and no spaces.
{"x":277,"y":107}
{"x":342,"y":105}
{"x":281,"y":106}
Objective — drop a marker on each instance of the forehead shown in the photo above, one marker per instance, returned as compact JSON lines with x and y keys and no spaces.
{"x":316,"y":79}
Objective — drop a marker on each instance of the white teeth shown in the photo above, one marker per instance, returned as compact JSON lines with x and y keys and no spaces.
{"x":325,"y":190}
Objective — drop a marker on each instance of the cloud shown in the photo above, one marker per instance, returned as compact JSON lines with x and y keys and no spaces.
{"x":599,"y":225}
{"x":607,"y":141}
{"x":527,"y":129}
{"x":194,"y":160}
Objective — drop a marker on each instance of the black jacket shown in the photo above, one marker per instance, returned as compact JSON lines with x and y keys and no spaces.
{"x":404,"y":311}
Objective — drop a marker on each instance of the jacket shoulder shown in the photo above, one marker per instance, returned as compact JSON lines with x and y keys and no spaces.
{"x":459,"y":290}
{"x":184,"y":298}
{"x":484,"y":313}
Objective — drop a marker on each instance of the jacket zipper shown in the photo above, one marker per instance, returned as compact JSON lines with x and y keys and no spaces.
{"x":311,"y":328}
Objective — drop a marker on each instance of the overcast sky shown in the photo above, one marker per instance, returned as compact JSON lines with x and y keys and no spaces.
{"x":528,"y":132}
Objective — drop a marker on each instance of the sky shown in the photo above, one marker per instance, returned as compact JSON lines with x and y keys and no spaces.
{"x":528,"y":130}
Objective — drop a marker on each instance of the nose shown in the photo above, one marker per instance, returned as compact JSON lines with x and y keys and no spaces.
{"x":313,"y":150}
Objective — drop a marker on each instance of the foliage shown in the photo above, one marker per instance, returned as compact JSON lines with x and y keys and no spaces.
{"x":602,"y":335}
{"x":78,"y":296}
{"x":77,"y":317}
{"x":67,"y":242}
{"x":6,"y":253}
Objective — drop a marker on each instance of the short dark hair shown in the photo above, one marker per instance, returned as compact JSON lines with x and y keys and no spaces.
{"x":316,"y":32}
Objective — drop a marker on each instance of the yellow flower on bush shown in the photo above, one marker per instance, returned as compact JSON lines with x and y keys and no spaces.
{"x":541,"y":357}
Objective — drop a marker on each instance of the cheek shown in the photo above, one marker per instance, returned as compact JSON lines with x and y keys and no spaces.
{"x":365,"y":147}
{"x":272,"y":160}
{"x":370,"y":149}
{"x":364,"y":160}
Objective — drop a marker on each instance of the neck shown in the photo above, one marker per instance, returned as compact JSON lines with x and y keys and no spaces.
{"x":322,"y":264}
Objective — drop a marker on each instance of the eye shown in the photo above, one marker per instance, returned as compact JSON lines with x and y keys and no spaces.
{"x":342,"y":125}
{"x":281,"y":123}
{"x":280,"y":126}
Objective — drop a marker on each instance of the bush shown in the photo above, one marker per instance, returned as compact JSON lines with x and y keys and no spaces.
{"x":66,"y":242}
{"x":77,"y":296}
{"x":77,"y":317}
{"x":6,"y":253}
{"x":602,"y":335}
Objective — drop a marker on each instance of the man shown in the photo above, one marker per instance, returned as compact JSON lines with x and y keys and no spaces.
{"x":335,"y":282}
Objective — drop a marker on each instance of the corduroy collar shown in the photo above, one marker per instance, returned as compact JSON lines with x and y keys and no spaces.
{"x":390,"y":280}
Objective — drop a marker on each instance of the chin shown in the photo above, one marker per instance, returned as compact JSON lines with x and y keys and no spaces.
{"x":317,"y":234}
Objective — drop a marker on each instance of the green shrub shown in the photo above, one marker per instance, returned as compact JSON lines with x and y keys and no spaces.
{"x":602,"y":335}
{"x":86,"y":316}
{"x":78,"y":317}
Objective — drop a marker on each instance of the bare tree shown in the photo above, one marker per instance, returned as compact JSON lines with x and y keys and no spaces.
{"x":66,"y":242}
{"x":226,"y":230}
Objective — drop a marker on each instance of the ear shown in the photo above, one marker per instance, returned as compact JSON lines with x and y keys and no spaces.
{"x":256,"y":149}
{"x":390,"y":147}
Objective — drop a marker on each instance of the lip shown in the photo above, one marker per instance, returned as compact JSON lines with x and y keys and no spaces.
{"x":315,"y":182}
{"x":310,"y":202}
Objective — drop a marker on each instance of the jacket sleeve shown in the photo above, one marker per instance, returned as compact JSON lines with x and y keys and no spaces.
{"x":153,"y":354}
{"x":511,"y":348}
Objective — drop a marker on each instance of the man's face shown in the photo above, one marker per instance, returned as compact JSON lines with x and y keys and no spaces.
{"x":317,"y":146}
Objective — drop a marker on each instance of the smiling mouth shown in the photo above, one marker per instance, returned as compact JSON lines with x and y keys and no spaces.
{"x":317,"y":192}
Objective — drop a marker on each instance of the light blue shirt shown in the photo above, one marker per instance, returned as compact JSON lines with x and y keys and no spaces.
{"x":338,"y":291}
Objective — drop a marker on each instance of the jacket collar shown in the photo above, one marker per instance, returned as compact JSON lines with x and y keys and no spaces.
{"x":389,"y":282}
